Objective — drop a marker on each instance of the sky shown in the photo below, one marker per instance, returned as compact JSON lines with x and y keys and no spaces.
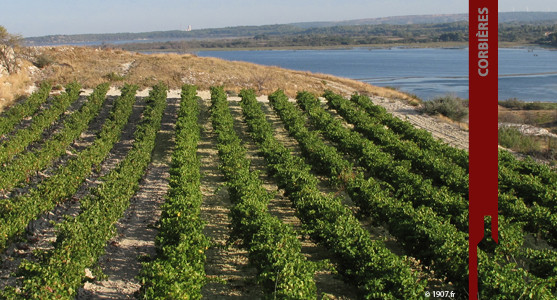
{"x":38,"y":17}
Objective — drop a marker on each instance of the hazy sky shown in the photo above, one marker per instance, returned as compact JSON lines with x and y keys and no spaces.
{"x":39,"y":17}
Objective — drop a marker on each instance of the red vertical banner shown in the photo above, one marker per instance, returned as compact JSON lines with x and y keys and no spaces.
{"x":483,"y":73}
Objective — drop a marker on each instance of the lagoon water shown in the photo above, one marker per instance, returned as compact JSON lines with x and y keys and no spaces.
{"x":525,"y":74}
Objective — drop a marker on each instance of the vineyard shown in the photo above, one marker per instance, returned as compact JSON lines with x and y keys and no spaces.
{"x":193,"y":193}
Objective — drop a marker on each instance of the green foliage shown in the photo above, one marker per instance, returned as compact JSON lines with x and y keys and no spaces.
{"x":550,"y":39}
{"x":529,"y":180}
{"x":418,"y":230}
{"x":325,"y":159}
{"x":407,"y":131}
{"x":528,"y":167}
{"x":383,"y":164}
{"x":453,"y":37}
{"x":451,"y":107}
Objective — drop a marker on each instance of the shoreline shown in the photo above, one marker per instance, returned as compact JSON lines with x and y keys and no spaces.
{"x":449,"y":45}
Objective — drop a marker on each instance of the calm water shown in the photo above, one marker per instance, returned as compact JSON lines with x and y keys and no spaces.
{"x":430,"y":72}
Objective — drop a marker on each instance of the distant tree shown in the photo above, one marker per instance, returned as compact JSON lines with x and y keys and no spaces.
{"x":8,"y":43}
{"x":451,"y":37}
{"x":552,"y":38}
{"x":260,"y":37}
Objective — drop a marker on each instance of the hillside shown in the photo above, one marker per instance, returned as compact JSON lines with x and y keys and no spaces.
{"x":91,"y":66}
{"x":504,"y":17}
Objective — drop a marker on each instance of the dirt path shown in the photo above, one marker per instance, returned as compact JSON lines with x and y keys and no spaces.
{"x":135,"y":239}
{"x":226,"y":265}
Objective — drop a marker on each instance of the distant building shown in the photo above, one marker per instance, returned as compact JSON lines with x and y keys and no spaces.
{"x":189,"y":28}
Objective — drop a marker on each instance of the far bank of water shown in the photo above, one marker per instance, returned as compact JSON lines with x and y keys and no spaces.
{"x":526,"y":74}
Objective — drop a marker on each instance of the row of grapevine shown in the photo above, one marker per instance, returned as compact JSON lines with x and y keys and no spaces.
{"x":17,"y":212}
{"x":273,"y":247}
{"x":528,"y":187}
{"x":25,"y":164}
{"x":25,"y":109}
{"x":325,"y":159}
{"x":422,"y":161}
{"x":366,"y":264}
{"x":178,"y":270}
{"x":407,"y":131}
{"x":22,"y":138}
{"x":537,"y":185}
{"x":510,"y":270}
{"x":81,"y":240}
{"x":539,"y":218}
{"x":420,"y":231}
{"x":528,"y":167}
{"x":408,"y":186}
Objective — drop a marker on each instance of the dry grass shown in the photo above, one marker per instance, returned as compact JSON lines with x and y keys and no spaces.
{"x":91,"y":66}
{"x":464,"y":125}
{"x":13,"y":86}
{"x":542,"y":118}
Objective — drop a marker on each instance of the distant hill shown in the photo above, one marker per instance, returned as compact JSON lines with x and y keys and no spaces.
{"x":527,"y":17}
{"x":504,"y":17}
{"x":397,"y":20}
{"x":279,"y":29}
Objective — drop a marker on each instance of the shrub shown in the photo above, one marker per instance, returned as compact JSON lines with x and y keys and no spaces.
{"x":43,"y":60}
{"x":8,"y":43}
{"x":514,"y":103}
{"x":512,"y":138}
{"x":113,"y":76}
{"x":452,"y":107}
